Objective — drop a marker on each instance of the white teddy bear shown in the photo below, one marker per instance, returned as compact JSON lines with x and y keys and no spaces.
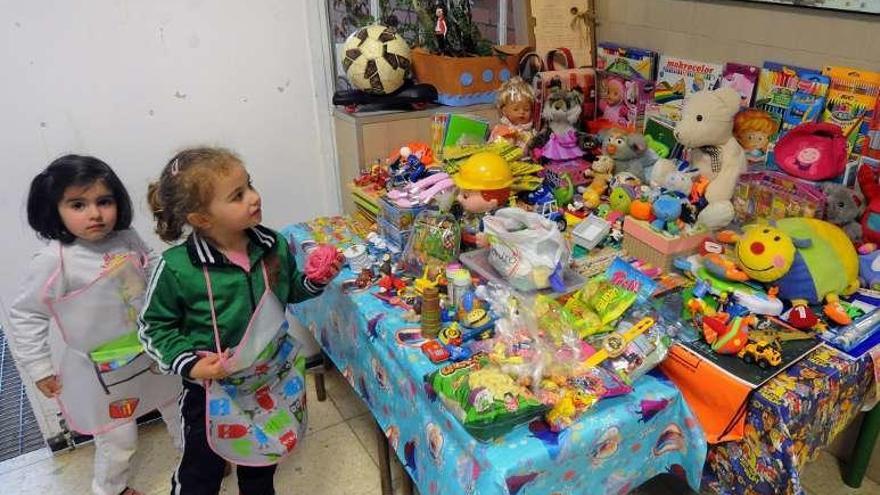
{"x":706,"y":130}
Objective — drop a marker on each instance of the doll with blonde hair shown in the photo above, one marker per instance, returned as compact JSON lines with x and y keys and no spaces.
{"x":753,"y":130}
{"x":515,"y":102}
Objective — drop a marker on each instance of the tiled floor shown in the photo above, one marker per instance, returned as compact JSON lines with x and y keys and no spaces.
{"x":339,"y":457}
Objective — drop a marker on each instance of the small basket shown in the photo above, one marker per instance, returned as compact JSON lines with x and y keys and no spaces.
{"x":642,"y":242}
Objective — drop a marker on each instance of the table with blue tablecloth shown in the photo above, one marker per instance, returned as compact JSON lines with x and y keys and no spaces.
{"x":616,"y":446}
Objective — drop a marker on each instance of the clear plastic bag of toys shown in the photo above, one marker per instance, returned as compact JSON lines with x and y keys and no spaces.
{"x":434,"y":241}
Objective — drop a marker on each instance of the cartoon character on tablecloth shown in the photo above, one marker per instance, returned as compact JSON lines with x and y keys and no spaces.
{"x":484,"y":182}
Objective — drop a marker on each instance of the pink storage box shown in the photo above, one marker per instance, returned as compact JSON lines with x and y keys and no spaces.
{"x":646,"y":244}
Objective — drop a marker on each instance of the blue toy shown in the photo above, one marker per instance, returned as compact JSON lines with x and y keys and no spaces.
{"x":667,"y":210}
{"x":869,"y":270}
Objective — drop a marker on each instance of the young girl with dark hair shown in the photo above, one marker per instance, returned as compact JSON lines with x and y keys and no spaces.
{"x":88,"y":285}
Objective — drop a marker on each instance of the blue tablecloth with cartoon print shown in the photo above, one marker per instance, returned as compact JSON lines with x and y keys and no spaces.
{"x":621,"y":443}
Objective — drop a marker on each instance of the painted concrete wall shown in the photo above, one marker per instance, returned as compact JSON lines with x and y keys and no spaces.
{"x":133,"y":82}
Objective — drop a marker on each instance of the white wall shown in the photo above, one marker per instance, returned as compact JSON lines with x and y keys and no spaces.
{"x":134,"y":81}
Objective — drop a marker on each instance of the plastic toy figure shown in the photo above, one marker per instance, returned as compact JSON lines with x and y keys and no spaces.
{"x":753,"y":130}
{"x":440,"y":30}
{"x":484,"y":182}
{"x":515,"y":102}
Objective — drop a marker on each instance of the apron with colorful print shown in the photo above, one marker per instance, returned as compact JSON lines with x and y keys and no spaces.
{"x":106,"y":377}
{"x":257,"y":414}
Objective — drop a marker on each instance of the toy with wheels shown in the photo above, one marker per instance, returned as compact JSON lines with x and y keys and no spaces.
{"x":809,"y":260}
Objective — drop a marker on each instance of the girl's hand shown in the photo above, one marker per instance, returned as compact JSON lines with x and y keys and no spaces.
{"x":49,"y":386}
{"x":323,"y":264}
{"x":209,"y":367}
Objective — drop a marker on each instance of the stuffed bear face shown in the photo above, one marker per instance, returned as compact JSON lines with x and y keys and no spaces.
{"x":623,"y":146}
{"x":562,"y":105}
{"x":707,"y":118}
{"x":843,"y":205}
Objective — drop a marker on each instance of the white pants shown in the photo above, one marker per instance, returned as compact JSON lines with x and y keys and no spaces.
{"x":113,"y":451}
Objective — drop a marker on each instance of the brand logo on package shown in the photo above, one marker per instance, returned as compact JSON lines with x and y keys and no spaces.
{"x":504,"y":257}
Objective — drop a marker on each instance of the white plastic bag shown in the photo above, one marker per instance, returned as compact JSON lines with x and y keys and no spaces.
{"x":525,"y":248}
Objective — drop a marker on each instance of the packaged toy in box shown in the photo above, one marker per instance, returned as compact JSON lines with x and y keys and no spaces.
{"x":398,"y":217}
{"x":622,"y":100}
{"x":634,"y":63}
{"x":775,"y":195}
{"x":641,"y":241}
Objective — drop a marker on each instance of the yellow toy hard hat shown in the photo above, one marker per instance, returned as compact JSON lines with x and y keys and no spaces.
{"x":484,"y":171}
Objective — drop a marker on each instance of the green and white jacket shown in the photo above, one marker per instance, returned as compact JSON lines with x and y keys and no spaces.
{"x":175,"y":323}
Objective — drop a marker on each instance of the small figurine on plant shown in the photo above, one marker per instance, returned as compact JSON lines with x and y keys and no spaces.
{"x":484,"y":182}
{"x":440,"y":29}
{"x":515,"y":101}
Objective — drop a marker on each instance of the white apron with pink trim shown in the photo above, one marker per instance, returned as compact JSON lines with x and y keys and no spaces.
{"x":257,"y":414}
{"x":106,"y":377}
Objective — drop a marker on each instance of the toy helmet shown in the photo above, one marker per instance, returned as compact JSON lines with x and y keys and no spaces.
{"x":484,"y":171}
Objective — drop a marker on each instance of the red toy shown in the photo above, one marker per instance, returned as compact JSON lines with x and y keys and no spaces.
{"x":435,"y":351}
{"x":871,"y":218}
{"x":323,"y":263}
{"x":391,"y":285}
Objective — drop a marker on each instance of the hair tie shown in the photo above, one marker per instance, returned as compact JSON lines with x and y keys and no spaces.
{"x":175,"y":167}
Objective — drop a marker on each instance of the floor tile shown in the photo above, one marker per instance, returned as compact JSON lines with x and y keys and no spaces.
{"x":25,"y":460}
{"x":344,"y":397}
{"x":823,"y":477}
{"x":330,"y":462}
{"x":321,"y":414}
{"x":364,"y":428}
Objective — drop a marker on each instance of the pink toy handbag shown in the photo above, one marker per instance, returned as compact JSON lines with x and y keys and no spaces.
{"x":812,"y":151}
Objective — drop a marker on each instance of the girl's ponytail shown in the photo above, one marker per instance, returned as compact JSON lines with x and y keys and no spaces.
{"x":186,"y":186}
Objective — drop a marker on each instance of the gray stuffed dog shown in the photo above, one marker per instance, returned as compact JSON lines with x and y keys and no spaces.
{"x":844,"y":207}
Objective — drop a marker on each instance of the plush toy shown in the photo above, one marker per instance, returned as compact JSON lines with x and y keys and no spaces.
{"x":559,"y":145}
{"x":844,"y":207}
{"x":869,"y":270}
{"x":871,"y":217}
{"x":601,"y":171}
{"x":680,"y":180}
{"x":667,"y":210}
{"x":809,"y":260}
{"x":629,"y":150}
{"x":705,"y":128}
{"x":620,"y":198}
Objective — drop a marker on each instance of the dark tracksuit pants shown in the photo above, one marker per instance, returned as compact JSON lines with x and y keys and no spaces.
{"x":201,"y":470}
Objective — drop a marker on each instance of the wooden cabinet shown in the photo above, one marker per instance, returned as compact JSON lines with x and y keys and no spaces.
{"x":363,"y":138}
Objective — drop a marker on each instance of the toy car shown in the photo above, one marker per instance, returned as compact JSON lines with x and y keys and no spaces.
{"x":765,"y":353}
{"x":435,"y":351}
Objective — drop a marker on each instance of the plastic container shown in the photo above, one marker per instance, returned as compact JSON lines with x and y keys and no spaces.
{"x":461,"y":282}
